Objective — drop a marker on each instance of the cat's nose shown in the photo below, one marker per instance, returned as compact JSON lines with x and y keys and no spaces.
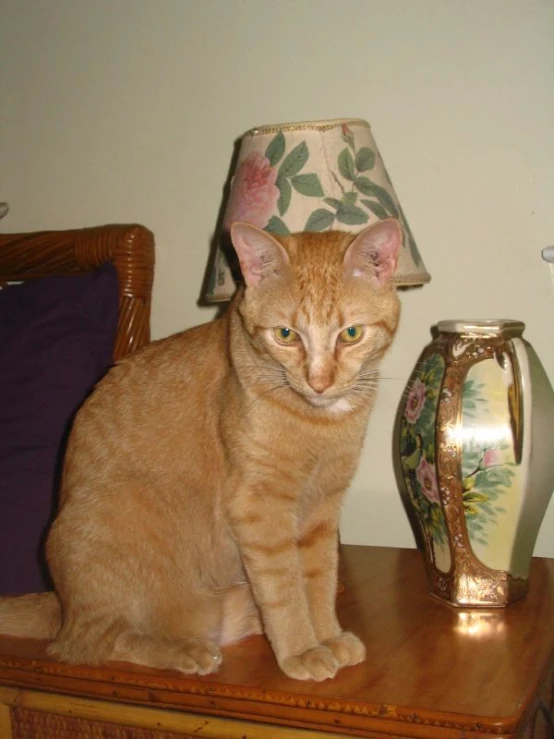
{"x":320,"y":383}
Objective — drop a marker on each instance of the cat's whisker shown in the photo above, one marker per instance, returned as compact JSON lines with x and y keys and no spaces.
{"x":280,"y":386}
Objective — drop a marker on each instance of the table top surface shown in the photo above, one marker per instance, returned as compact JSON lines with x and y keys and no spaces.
{"x":426,"y":661}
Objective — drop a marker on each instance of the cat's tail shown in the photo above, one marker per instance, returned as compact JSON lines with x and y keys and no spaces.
{"x":37,"y":615}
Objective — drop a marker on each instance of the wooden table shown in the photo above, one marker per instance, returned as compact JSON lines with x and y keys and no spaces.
{"x":432,"y":671}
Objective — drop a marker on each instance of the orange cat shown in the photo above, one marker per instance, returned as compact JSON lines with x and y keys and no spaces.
{"x":204,"y":475}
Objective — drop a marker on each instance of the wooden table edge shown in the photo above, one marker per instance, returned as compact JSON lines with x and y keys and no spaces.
{"x":235,"y":702}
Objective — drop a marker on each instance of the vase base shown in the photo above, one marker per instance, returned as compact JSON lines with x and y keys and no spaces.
{"x":491,"y":589}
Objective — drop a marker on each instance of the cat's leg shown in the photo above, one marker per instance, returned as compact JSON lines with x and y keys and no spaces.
{"x":241,"y":617}
{"x":119,"y":642}
{"x":272,"y":562}
{"x":319,"y":552}
{"x":191,"y":656}
{"x":92,"y":635}
{"x":139,"y":608}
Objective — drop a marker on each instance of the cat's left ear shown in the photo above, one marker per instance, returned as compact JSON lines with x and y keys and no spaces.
{"x":260,"y":255}
{"x":374,"y":251}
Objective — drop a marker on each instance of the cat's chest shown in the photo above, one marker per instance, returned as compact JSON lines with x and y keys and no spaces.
{"x":312,"y":456}
{"x":330,"y":471}
{"x":324,"y":433}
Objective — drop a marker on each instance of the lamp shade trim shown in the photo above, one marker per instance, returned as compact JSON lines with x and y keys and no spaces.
{"x":306,"y":126}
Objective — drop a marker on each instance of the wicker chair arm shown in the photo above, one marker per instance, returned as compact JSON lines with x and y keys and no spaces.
{"x":130,"y":248}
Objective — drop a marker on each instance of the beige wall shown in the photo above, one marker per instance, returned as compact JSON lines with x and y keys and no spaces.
{"x":127,"y":110}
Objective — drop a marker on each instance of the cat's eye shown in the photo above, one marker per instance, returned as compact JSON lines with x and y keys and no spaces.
{"x":351,"y":334}
{"x":285,"y":335}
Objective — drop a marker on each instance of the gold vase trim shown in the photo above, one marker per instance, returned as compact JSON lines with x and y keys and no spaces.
{"x":469,"y":581}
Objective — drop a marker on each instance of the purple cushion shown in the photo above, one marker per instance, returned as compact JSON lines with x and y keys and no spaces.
{"x":56,"y":340}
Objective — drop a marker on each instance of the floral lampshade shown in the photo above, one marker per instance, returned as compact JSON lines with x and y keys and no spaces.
{"x":310,"y":176}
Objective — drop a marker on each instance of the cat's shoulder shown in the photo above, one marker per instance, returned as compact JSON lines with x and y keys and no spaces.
{"x":207,"y":335}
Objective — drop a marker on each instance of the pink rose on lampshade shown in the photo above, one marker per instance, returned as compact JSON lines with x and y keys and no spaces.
{"x":254,"y":193}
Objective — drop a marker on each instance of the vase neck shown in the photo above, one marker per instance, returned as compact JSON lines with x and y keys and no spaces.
{"x":508,"y":328}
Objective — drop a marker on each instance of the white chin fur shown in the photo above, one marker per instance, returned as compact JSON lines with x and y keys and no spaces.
{"x":335,"y":405}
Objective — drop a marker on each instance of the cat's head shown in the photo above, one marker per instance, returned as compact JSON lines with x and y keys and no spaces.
{"x":320,"y":308}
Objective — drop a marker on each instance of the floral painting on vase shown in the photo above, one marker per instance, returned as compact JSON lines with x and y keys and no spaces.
{"x":417,"y":454}
{"x":490,"y":475}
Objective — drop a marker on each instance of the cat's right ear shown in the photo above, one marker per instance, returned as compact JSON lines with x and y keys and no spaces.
{"x":260,"y":255}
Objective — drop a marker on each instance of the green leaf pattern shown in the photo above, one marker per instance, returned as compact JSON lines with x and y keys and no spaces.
{"x":289,"y":178}
{"x":347,"y":168}
{"x":276,"y":149}
{"x":294,"y":161}
{"x":277,"y":226}
{"x":285,"y":194}
{"x":361,"y":197}
{"x":320,"y":220}
{"x":307,"y":184}
{"x":365,"y":159}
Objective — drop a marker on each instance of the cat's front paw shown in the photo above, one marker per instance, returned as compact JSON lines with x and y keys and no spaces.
{"x":347,"y":648}
{"x":318,"y":664}
{"x":198,"y":656}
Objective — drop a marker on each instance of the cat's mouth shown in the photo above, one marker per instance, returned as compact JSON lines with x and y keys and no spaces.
{"x":335,"y":402}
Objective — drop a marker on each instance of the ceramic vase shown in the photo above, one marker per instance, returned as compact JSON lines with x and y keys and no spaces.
{"x":475,"y":443}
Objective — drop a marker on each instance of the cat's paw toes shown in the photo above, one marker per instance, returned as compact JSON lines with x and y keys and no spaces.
{"x":347,"y":648}
{"x":198,"y":656}
{"x":318,"y":664}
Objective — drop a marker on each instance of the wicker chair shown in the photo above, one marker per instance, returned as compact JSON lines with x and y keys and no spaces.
{"x":130,"y":248}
